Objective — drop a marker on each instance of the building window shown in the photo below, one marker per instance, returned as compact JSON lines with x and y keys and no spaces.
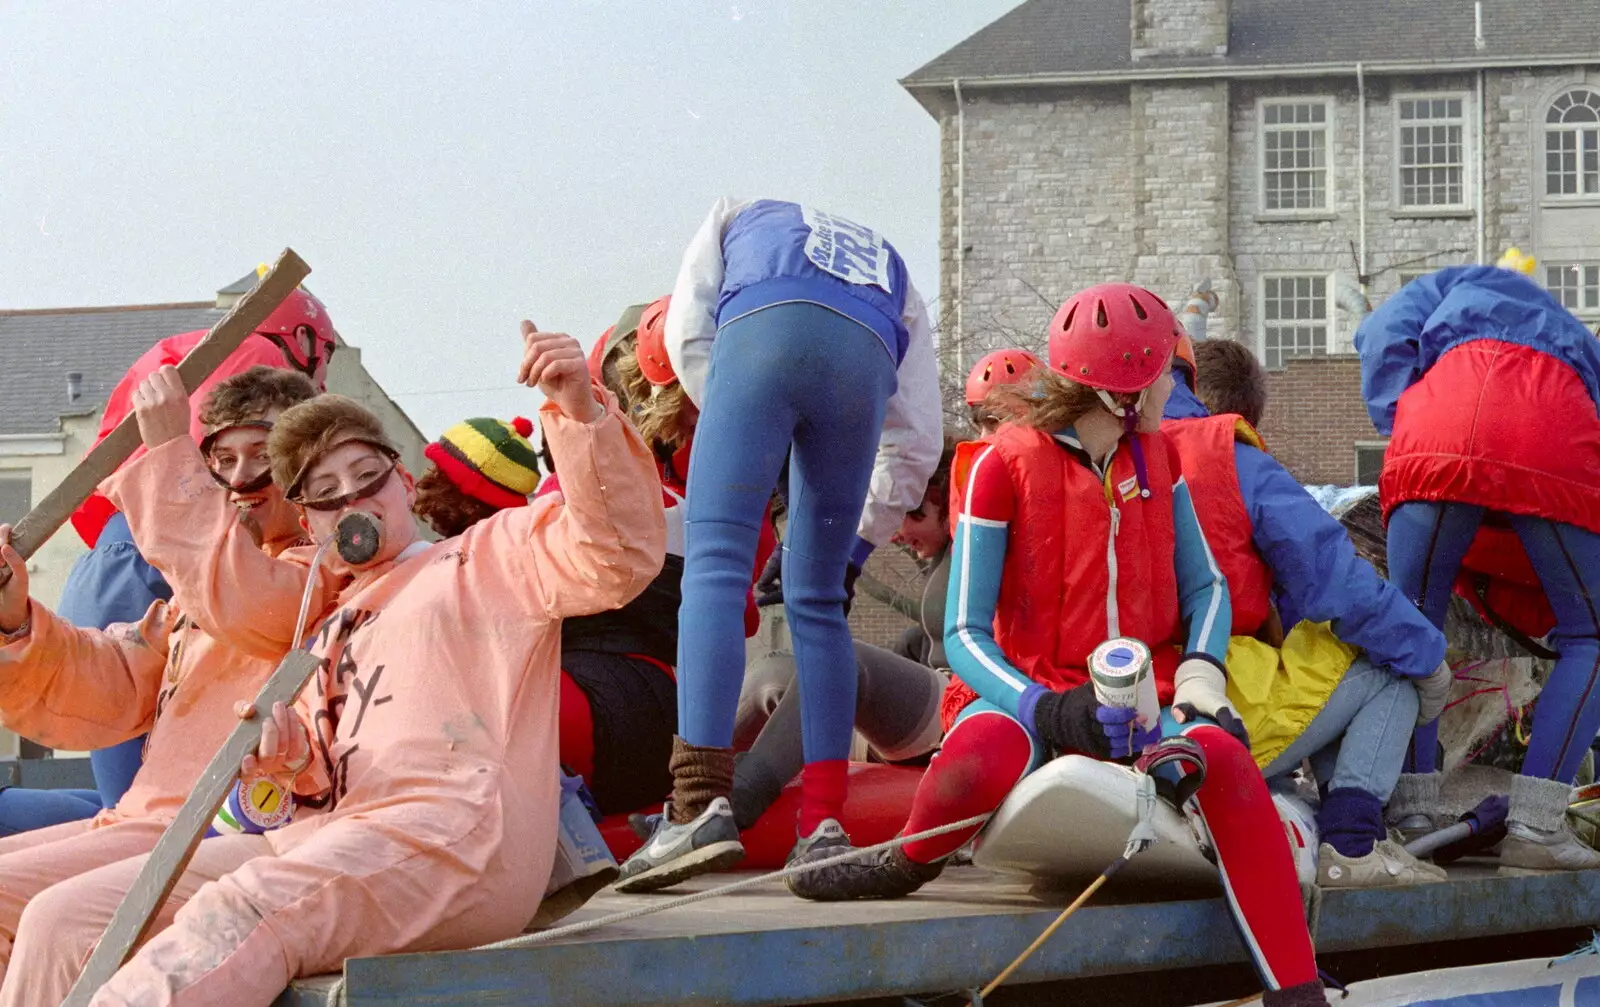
{"x":1572,"y":145}
{"x":1576,"y":285}
{"x":1369,"y":462}
{"x":1432,"y":146}
{"x":1294,"y":156}
{"x":16,"y":495}
{"x":1296,"y":317}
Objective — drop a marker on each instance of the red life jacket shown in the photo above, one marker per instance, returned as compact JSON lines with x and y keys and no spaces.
{"x":91,"y":516}
{"x":1206,"y":447}
{"x":1086,"y":560}
{"x":1499,"y":425}
{"x":1509,"y":428}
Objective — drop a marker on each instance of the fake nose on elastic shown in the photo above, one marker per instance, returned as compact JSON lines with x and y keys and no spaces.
{"x":357,"y":537}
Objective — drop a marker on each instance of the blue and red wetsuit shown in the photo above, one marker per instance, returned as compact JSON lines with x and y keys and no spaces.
{"x":1053,"y":555}
{"x":1491,"y":482}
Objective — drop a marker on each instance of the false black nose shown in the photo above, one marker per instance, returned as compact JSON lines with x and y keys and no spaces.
{"x":356,"y":538}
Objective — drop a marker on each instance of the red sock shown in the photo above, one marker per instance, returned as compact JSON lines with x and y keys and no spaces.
{"x":1257,"y":868}
{"x":822,"y":789}
{"x":983,"y":757}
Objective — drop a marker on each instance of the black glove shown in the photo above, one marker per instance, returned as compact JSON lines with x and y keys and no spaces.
{"x":769,"y":586}
{"x":851,"y":572}
{"x":1066,"y":720}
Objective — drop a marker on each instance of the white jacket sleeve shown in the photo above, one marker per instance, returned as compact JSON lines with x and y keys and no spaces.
{"x":913,"y":432}
{"x":692,"y":319}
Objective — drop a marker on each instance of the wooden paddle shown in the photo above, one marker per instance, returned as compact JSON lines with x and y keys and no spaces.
{"x":232,"y":329}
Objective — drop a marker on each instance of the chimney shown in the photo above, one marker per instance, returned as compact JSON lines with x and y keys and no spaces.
{"x":74,"y":386}
{"x":1179,"y":28}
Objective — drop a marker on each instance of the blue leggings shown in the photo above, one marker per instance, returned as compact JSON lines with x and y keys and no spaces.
{"x":23,"y":810}
{"x":1427,"y":542}
{"x":800,"y":376}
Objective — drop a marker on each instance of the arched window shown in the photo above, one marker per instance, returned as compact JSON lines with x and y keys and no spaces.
{"x":1572,"y":144}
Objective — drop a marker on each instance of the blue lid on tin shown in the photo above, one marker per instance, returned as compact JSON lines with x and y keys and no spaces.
{"x":1119,"y":656}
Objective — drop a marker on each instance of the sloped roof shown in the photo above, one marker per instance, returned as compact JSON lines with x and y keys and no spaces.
{"x":38,"y":349}
{"x":1066,"y":38}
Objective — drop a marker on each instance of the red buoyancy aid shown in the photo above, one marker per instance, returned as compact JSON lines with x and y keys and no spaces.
{"x":1205,"y":445}
{"x":1506,"y":427}
{"x":1085,"y":561}
{"x":91,"y":516}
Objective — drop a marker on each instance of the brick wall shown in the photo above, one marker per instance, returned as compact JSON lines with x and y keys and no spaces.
{"x":1314,"y":418}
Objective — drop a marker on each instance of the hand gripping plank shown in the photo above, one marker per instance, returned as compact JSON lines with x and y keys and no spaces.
{"x":232,"y":329}
{"x":171,"y":855}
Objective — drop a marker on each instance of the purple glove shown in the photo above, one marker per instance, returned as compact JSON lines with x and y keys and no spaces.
{"x":1126,"y":736}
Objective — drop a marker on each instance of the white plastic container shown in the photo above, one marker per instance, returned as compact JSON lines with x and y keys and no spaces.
{"x":1123,"y":677}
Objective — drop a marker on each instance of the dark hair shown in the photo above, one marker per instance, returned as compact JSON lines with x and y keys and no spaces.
{"x":939,"y":482}
{"x":447,"y":509}
{"x":1231,"y":379}
{"x":251,"y":395}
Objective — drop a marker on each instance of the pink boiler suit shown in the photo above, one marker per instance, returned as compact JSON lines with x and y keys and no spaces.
{"x":432,"y":822}
{"x":83,"y":688}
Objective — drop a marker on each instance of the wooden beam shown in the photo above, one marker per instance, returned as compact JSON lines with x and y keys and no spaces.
{"x":232,"y":329}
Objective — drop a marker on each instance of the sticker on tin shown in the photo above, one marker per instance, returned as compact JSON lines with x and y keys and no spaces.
{"x":847,"y":250}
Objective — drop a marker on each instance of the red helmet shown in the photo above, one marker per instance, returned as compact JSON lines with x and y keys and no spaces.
{"x":282,"y":326}
{"x":1185,"y":354}
{"x":1117,"y":337}
{"x":1002,"y":367}
{"x":652,"y":350}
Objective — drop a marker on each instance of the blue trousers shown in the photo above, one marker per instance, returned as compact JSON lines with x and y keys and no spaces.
{"x":797,"y":378}
{"x":23,"y":810}
{"x":1427,"y":542}
{"x":1358,"y":740}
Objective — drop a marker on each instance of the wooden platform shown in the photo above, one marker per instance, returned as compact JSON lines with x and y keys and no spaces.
{"x":766,"y":947}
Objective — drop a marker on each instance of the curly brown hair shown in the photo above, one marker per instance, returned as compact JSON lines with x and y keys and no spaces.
{"x":1049,"y":403}
{"x":662,"y":413}
{"x":251,"y":395}
{"x":442,"y":504}
{"x":1231,"y":379}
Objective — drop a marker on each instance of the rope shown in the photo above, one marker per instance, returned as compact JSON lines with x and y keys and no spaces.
{"x":1140,"y":838}
{"x":336,"y":995}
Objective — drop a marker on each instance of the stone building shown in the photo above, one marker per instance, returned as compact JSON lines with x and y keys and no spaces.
{"x":1294,"y":153}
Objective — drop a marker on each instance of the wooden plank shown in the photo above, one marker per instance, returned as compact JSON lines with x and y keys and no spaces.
{"x":766,"y":947}
{"x":177,"y":845}
{"x":252,"y":309}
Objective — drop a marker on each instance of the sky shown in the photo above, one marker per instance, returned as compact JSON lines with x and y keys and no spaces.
{"x":448,"y":168}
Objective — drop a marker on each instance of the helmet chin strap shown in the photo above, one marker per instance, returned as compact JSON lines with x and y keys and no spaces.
{"x":1130,"y":421}
{"x":1118,"y":409}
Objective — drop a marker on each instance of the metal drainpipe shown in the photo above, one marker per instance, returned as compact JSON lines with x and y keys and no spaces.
{"x":1483,"y":169}
{"x":1361,"y":187}
{"x":961,"y":228}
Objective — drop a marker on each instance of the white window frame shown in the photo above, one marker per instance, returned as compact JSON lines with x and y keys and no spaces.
{"x":1329,"y":136}
{"x":1468,"y":152}
{"x":1588,"y":268}
{"x":1548,"y":128}
{"x":1379,"y":446}
{"x":1328,"y":320}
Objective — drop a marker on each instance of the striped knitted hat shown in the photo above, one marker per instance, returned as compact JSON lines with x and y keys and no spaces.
{"x":489,"y":460}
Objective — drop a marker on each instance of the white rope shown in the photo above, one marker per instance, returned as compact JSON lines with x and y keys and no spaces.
{"x":336,"y":996}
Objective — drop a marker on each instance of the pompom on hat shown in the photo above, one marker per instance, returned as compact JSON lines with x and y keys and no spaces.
{"x":489,"y":460}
